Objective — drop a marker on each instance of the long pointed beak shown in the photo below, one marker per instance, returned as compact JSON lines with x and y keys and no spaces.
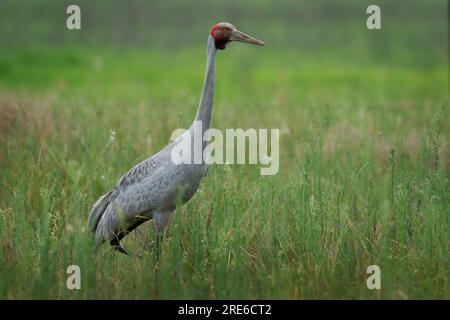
{"x":242,"y":37}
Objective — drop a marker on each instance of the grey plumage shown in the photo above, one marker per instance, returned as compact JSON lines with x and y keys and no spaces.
{"x":153,"y":188}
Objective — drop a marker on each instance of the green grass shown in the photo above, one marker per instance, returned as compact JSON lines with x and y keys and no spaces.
{"x":364,"y":174}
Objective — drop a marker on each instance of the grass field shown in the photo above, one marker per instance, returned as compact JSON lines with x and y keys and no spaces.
{"x":363,"y":180}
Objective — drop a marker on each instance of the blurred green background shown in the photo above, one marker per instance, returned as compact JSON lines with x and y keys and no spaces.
{"x":37,"y":49}
{"x":364,"y":147}
{"x":415,"y":27}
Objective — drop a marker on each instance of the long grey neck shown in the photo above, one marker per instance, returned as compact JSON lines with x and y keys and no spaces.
{"x":206,"y":100}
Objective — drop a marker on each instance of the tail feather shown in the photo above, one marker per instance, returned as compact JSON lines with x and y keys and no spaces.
{"x":98,"y":210}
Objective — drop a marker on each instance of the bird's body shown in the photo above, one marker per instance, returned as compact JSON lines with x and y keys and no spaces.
{"x":150,"y":190}
{"x":153,"y":188}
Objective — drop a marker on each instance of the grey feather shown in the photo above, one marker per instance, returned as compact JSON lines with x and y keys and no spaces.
{"x":98,"y":209}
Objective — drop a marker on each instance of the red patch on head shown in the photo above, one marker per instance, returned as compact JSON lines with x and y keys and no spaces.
{"x":218,"y":35}
{"x":213,"y":32}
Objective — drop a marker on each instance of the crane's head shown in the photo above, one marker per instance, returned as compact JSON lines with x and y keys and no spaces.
{"x":225,"y":32}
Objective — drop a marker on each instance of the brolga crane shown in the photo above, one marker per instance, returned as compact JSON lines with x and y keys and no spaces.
{"x":153,"y":188}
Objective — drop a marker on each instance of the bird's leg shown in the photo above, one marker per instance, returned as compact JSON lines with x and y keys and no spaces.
{"x":160,"y":222}
{"x":159,"y":241}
